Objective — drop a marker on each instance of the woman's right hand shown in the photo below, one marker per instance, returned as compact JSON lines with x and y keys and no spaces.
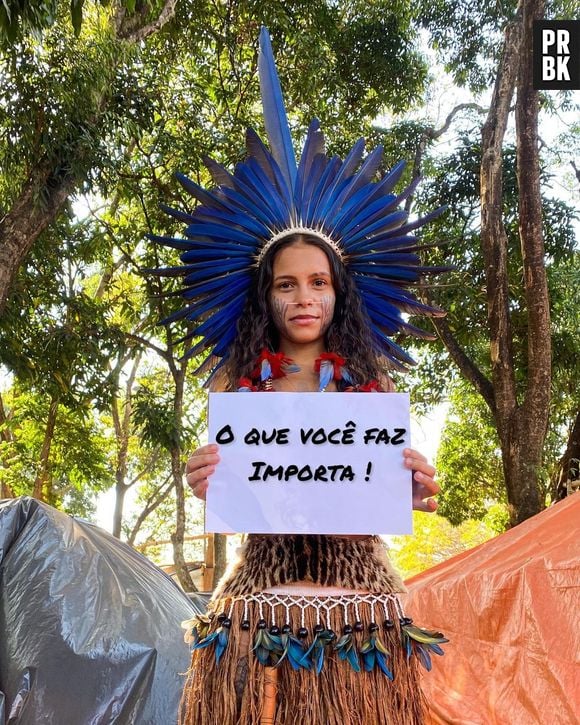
{"x":199,"y":466}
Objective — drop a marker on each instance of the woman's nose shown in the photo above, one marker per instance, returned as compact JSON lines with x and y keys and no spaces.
{"x":304,"y":298}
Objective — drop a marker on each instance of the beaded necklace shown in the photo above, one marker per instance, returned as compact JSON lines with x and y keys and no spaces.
{"x":273,"y":366}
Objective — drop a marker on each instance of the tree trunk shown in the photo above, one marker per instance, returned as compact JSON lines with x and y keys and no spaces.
{"x":521,"y":427}
{"x":535,"y":409}
{"x":494,"y":246}
{"x":123,"y":433}
{"x":220,"y":557}
{"x":177,"y":536}
{"x":120,"y":491}
{"x":6,"y":436}
{"x":567,"y":478}
{"x":40,"y":484}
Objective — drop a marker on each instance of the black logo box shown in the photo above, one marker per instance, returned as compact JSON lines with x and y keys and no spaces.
{"x":557,"y":55}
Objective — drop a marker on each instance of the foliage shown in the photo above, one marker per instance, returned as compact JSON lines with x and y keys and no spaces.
{"x":468,"y":36}
{"x":468,"y":461}
{"x":19,"y":18}
{"x":81,"y":453}
{"x":435,"y":540}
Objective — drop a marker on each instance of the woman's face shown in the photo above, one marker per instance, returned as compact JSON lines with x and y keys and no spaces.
{"x":302,"y":296}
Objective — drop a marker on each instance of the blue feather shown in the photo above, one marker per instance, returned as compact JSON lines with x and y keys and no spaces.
{"x":363,"y":175}
{"x":219,"y":173}
{"x":198,"y":192}
{"x":261,"y":190}
{"x":341,"y":214}
{"x":382,"y":663}
{"x":386,"y":271}
{"x":397,"y":243}
{"x":215,"y":283}
{"x":370,"y":213}
{"x":324,"y":180}
{"x":169,"y":241}
{"x":256,"y":150}
{"x":271,"y":171}
{"x":313,"y":146}
{"x":326,"y":373}
{"x":240,"y":201}
{"x":192,"y":312}
{"x":266,"y":371}
{"x":319,"y":164}
{"x":226,"y":217}
{"x":394,"y":220}
{"x":221,"y":231}
{"x":275,"y":120}
{"x":219,"y":266}
{"x":345,"y":172}
{"x":217,"y":254}
{"x":181,"y":216}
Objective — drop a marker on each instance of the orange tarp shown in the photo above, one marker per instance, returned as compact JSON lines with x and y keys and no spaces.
{"x":511,"y":609}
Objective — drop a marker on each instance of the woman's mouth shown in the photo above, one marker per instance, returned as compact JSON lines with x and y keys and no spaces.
{"x":304,"y":319}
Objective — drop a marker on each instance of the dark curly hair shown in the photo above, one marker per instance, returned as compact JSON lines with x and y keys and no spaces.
{"x":348,"y":334}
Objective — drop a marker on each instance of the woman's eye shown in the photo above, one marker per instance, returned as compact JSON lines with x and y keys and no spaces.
{"x":320,"y":282}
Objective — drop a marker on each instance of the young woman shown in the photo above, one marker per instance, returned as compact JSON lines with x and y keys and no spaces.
{"x":303,"y":305}
{"x":296,"y":277}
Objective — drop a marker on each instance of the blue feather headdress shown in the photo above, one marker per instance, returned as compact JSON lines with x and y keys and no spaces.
{"x":270,"y":196}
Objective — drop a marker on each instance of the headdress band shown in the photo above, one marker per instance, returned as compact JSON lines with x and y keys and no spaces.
{"x":307,"y":231}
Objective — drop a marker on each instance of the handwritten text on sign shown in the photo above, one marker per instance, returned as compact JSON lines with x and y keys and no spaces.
{"x":327,"y":463}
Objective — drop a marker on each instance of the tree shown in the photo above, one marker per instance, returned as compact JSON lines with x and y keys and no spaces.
{"x":56,"y":110}
{"x":514,"y":375}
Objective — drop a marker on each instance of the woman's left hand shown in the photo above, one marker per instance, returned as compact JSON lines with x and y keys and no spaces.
{"x":424,"y":485}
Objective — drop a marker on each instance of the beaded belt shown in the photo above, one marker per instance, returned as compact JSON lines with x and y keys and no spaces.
{"x":302,"y":630}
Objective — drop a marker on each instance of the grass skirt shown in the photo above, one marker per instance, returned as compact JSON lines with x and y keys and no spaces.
{"x":240,"y":690}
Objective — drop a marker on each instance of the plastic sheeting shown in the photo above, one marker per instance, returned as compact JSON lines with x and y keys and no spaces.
{"x":511,"y":608}
{"x":89,"y":629}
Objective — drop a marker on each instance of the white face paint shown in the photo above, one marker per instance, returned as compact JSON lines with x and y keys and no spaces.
{"x":302,"y":297}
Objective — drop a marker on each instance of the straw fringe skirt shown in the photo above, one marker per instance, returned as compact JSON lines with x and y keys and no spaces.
{"x":239,"y":690}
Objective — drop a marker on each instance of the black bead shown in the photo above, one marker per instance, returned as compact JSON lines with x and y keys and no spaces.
{"x":358,"y":627}
{"x":318,"y":629}
{"x":388,"y":624}
{"x":302,"y":632}
{"x":227,"y":623}
{"x":347,"y":629}
{"x":331,"y":635}
{"x":274,"y":630}
{"x":245,"y":625}
{"x":373,"y":626}
{"x":407,"y":620}
{"x":262,"y":624}
{"x":221,"y":617}
{"x":286,"y":629}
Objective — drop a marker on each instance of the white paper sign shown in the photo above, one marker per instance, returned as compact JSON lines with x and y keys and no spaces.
{"x":325,"y":463}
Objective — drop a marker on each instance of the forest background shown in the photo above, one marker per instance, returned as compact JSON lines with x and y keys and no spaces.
{"x":102,"y":102}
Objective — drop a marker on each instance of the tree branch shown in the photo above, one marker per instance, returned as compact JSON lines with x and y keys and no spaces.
{"x":152,"y":503}
{"x":129,"y":28}
{"x":468,"y":368}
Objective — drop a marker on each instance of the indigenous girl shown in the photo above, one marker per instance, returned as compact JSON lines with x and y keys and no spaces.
{"x":298,"y":274}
